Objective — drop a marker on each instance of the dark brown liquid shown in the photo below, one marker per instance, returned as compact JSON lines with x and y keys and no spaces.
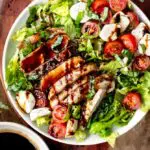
{"x":12,"y":141}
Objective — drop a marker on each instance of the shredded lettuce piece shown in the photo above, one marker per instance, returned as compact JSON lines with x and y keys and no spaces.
{"x":76,"y":111}
{"x":80,"y":135}
{"x":70,"y":29}
{"x":41,"y":121}
{"x":79,"y":17}
{"x":112,"y":139}
{"x":61,"y":9}
{"x":86,"y":47}
{"x":52,"y":2}
{"x":15,"y":78}
{"x":111,"y":67}
{"x":21,"y":34}
{"x":144,"y":90}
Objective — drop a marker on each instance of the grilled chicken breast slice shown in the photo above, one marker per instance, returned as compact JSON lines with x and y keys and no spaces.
{"x":36,"y":58}
{"x":42,"y":69}
{"x":55,"y":100}
{"x":76,"y":96}
{"x":70,"y":78}
{"x":72,"y":126}
{"x":60,"y":71}
{"x":91,"y":105}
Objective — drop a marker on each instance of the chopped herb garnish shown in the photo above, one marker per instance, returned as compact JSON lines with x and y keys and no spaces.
{"x":57,"y":43}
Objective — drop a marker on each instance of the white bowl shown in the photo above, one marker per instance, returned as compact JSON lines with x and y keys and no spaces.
{"x":9,"y":50}
{"x":33,"y":138}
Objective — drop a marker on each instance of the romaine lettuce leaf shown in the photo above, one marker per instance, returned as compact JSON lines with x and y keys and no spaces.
{"x":144,"y":90}
{"x":41,"y":121}
{"x":14,"y":77}
{"x":21,"y":34}
{"x":112,"y":139}
{"x":76,"y":111}
{"x":61,"y":9}
{"x":80,"y":135}
{"x":54,"y":1}
{"x":111,"y":67}
{"x":33,"y":15}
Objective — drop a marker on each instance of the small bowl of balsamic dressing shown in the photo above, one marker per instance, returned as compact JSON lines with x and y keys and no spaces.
{"x":18,"y":137}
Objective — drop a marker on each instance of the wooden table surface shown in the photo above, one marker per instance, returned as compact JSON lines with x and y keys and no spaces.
{"x":137,"y":139}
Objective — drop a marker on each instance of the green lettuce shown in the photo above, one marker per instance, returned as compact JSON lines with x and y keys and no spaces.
{"x":144,"y":90}
{"x":41,"y":121}
{"x":76,"y":111}
{"x":111,"y":67}
{"x":15,"y":77}
{"x":80,"y":135}
{"x":87,"y":48}
{"x":61,"y":9}
{"x":111,"y":139}
{"x":52,"y":2}
{"x":110,"y":113}
{"x":141,"y":85}
{"x":21,"y":34}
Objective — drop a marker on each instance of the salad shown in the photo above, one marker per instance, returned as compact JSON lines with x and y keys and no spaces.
{"x":81,"y":67}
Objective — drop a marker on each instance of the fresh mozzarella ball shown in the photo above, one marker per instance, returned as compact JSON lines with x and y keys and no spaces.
{"x":109,"y":32}
{"x":72,"y":126}
{"x":145,"y":41}
{"x":26,"y":100}
{"x":39,"y":112}
{"x":124,"y":21}
{"x":138,"y":32}
{"x":76,"y":8}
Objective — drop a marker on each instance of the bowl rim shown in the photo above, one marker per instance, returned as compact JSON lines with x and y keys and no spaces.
{"x":19,"y":112}
{"x":31,"y":136}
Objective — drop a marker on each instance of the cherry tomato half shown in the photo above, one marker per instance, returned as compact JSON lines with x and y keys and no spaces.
{"x":112,"y":48}
{"x":57,"y":130}
{"x":132,"y":101}
{"x":97,"y":6}
{"x":134,"y":20}
{"x":118,"y":5}
{"x":141,"y":63}
{"x":92,"y":28}
{"x":59,"y":113}
{"x":129,"y":42}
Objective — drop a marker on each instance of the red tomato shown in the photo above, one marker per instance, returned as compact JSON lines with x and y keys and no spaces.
{"x":112,"y":48}
{"x":129,"y":42}
{"x":141,"y":63}
{"x":132,"y":101}
{"x":118,"y":5}
{"x":59,"y":113}
{"x":57,"y":130}
{"x":92,"y":28}
{"x":97,"y":6}
{"x":134,"y":19}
